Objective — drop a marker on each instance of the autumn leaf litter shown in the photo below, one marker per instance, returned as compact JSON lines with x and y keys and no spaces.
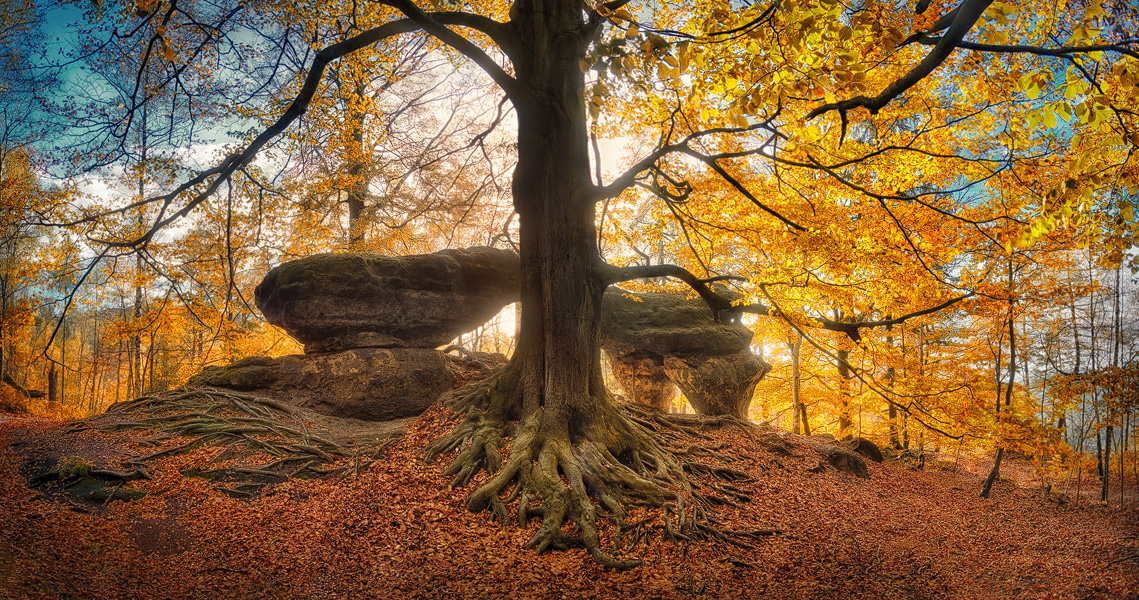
{"x":395,"y":531}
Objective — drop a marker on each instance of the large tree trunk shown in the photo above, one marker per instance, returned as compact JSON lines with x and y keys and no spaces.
{"x":844,"y":420}
{"x":574,"y":452}
{"x":559,"y":352}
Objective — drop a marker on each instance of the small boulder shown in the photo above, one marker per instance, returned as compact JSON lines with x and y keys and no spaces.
{"x":866,"y":448}
{"x":334,"y":302}
{"x":838,"y":457}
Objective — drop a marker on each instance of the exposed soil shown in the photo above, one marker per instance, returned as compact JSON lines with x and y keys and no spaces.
{"x":394,"y":530}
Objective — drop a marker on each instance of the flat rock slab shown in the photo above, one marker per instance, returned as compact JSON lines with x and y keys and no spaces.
{"x":370,"y":384}
{"x":339,"y":301}
{"x":668,"y":323}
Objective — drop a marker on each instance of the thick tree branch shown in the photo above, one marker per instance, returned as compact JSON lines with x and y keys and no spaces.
{"x":435,"y":24}
{"x":925,"y":311}
{"x":719,"y":304}
{"x":1062,"y":52}
{"x":12,"y":383}
{"x":715,"y":301}
{"x":964,"y":17}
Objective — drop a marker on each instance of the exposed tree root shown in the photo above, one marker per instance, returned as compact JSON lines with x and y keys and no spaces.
{"x":245,"y":424}
{"x":598,"y":467}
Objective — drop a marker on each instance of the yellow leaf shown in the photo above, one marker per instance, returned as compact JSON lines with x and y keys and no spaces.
{"x":632,"y":32}
{"x":1065,"y":111}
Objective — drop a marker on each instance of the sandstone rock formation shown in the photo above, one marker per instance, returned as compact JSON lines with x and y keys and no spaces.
{"x":642,"y":376}
{"x":371,"y":324}
{"x":718,"y":385}
{"x":372,"y":384}
{"x":652,"y":338}
{"x":334,"y":302}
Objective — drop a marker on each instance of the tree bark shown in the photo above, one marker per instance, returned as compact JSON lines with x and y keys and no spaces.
{"x":1106,"y":469}
{"x":798,"y":411}
{"x":562,"y":285}
{"x":987,"y":487}
{"x":52,"y":384}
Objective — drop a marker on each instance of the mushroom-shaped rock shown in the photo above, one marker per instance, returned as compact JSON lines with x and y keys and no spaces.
{"x":650,"y":336}
{"x":338,"y":301}
{"x":372,"y":384}
{"x":718,"y":385}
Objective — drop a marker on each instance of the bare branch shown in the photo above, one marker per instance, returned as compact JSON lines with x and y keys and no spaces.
{"x":236,"y":161}
{"x":851,"y":329}
{"x":435,"y":24}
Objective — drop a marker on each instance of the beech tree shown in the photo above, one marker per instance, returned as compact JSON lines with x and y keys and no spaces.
{"x":799,"y":86}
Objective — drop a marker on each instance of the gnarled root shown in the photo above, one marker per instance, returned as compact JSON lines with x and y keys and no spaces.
{"x":583,"y":471}
{"x":245,"y":425}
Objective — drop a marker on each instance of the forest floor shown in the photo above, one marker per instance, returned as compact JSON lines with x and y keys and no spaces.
{"x":394,"y":530}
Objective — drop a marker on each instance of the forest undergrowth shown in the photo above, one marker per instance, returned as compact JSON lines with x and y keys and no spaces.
{"x":394,"y":529}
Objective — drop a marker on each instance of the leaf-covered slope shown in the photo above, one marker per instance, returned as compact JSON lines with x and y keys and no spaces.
{"x":396,"y":531}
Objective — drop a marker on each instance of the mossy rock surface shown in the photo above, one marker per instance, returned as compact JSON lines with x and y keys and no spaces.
{"x":370,"y":384}
{"x":339,"y":301}
{"x":668,"y":323}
